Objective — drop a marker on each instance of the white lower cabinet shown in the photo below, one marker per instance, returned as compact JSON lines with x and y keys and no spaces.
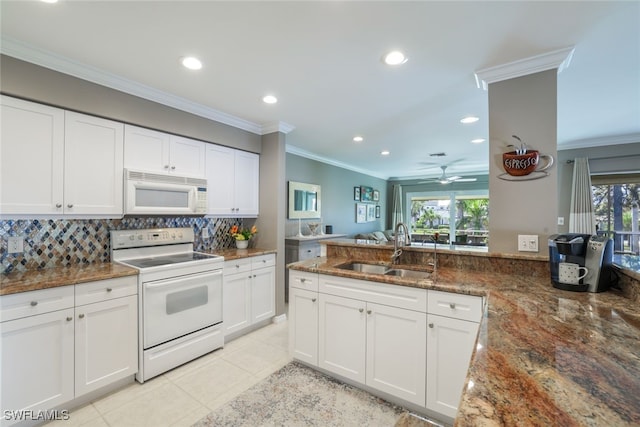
{"x":61,"y":343}
{"x":248,"y":292}
{"x":409,"y":343}
{"x":449,"y":347}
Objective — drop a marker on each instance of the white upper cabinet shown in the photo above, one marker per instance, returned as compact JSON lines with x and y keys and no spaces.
{"x":31,"y":157}
{"x":233,"y":181}
{"x":93,"y":165}
{"x":59,"y":162}
{"x":152,"y":151}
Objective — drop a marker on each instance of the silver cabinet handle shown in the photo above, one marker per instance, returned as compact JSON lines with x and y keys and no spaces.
{"x":70,"y":205}
{"x":34,"y":303}
{"x":81,"y":316}
{"x":431,"y":325}
{"x":69,"y":318}
{"x":303,"y":280}
{"x":313,"y":299}
{"x":452,"y":305}
{"x":254,"y":275}
{"x":368,"y":311}
{"x":166,"y":166}
{"x":361,"y":310}
{"x":173,"y":168}
{"x":58,"y":205}
{"x":264,"y":261}
{"x":237,"y":266}
{"x":109,"y":289}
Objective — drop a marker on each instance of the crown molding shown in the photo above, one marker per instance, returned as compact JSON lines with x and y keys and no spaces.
{"x":46,"y":59}
{"x":559,"y":59}
{"x":600,"y":141}
{"x":276,"y":127}
{"x":291,"y":149}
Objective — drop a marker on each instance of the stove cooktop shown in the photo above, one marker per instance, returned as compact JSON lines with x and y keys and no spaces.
{"x":169,"y":259}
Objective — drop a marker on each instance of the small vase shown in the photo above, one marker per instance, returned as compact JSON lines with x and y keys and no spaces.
{"x":242,"y":244}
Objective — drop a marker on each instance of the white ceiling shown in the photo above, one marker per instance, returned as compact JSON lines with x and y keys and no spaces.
{"x":322,"y":61}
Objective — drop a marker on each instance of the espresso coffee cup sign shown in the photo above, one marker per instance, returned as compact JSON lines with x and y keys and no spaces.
{"x":523,"y":164}
{"x":570,"y":273}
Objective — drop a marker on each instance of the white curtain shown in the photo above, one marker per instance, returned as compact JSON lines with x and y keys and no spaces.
{"x":396,"y":212}
{"x":582,"y":217}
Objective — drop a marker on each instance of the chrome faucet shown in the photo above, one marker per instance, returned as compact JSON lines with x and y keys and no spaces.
{"x":397,"y":250}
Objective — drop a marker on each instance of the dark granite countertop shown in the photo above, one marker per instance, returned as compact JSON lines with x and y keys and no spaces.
{"x":545,"y":357}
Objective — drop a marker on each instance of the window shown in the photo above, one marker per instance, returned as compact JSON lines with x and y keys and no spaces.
{"x":616,"y":201}
{"x":454,"y":218}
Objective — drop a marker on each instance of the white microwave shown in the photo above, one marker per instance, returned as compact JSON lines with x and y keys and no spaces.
{"x":148,"y":193}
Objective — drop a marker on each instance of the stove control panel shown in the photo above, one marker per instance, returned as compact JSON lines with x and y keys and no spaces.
{"x":150,"y":237}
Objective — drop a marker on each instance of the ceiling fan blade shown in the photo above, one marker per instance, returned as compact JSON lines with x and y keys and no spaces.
{"x":467,"y":179}
{"x":454,"y":178}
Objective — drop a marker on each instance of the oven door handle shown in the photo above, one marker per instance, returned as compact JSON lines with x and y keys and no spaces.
{"x":165,"y":283}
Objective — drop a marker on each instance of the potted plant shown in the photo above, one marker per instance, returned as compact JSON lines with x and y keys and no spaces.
{"x":242,"y":235}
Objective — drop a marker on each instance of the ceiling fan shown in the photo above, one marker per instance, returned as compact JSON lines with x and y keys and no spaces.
{"x":444,"y":179}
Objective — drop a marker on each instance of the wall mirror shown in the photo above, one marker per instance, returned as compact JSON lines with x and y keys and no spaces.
{"x":304,"y":200}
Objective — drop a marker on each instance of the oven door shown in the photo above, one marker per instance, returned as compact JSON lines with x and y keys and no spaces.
{"x":180,"y":305}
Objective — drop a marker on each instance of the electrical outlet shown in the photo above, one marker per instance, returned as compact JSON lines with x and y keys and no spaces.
{"x":205,"y":233}
{"x":560,"y":220}
{"x":528,"y":242}
{"x":15,"y":244}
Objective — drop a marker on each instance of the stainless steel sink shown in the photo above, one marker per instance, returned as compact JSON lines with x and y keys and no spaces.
{"x":409,"y":274}
{"x":364,"y":268}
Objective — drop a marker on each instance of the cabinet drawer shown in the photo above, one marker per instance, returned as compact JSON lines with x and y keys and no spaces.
{"x":381,"y":293}
{"x":263,"y":261}
{"x":303,"y":280}
{"x":457,"y":306}
{"x":103,"y":290}
{"x":237,"y":266}
{"x":16,"y":306}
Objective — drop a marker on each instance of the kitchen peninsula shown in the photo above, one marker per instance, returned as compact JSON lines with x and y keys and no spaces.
{"x":543,"y":356}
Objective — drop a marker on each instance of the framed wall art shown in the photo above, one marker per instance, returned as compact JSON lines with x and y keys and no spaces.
{"x":361,"y":212}
{"x":366,"y":194}
{"x":371,"y":213}
{"x":356,"y":194}
{"x":376,"y":196}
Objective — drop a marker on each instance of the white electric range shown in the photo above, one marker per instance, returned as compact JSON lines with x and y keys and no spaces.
{"x":179,"y":296}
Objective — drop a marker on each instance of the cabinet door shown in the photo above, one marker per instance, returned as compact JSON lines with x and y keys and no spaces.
{"x":236,"y":302}
{"x":342,"y":334}
{"x":247,"y":183}
{"x":106,"y":343}
{"x":263,"y":294}
{"x":220,"y":180}
{"x":397,"y":351}
{"x":449,"y":347}
{"x":93,"y":165}
{"x":187,"y":157}
{"x":31,"y":158}
{"x":303,"y":325}
{"x":146,"y":150}
{"x":37,"y":362}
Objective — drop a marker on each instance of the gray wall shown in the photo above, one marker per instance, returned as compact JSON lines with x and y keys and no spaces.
{"x":338,"y":207}
{"x":619,"y":158}
{"x":524,"y":106}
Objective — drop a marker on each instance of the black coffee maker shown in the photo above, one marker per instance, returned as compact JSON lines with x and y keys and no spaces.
{"x":581,"y":262}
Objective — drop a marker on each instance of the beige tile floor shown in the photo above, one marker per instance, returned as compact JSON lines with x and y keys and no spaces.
{"x":187,"y":393}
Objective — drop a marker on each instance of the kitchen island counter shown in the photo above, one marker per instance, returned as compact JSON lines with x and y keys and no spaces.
{"x":544,"y":356}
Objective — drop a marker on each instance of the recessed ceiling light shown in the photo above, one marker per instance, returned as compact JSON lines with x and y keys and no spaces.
{"x":49,"y":1}
{"x":478,"y":140}
{"x":191,"y":63}
{"x":395,"y":57}
{"x":270,"y":99}
{"x":469,"y":119}
{"x":358,"y":139}
{"x":385,"y":152}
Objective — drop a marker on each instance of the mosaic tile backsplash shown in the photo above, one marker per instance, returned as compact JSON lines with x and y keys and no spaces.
{"x":60,"y":242}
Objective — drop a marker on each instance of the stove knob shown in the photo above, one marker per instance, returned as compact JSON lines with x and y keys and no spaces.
{"x":132,"y":237}
{"x":140,"y":237}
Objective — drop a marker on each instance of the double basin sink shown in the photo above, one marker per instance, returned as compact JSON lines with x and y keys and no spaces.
{"x":384,"y":270}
